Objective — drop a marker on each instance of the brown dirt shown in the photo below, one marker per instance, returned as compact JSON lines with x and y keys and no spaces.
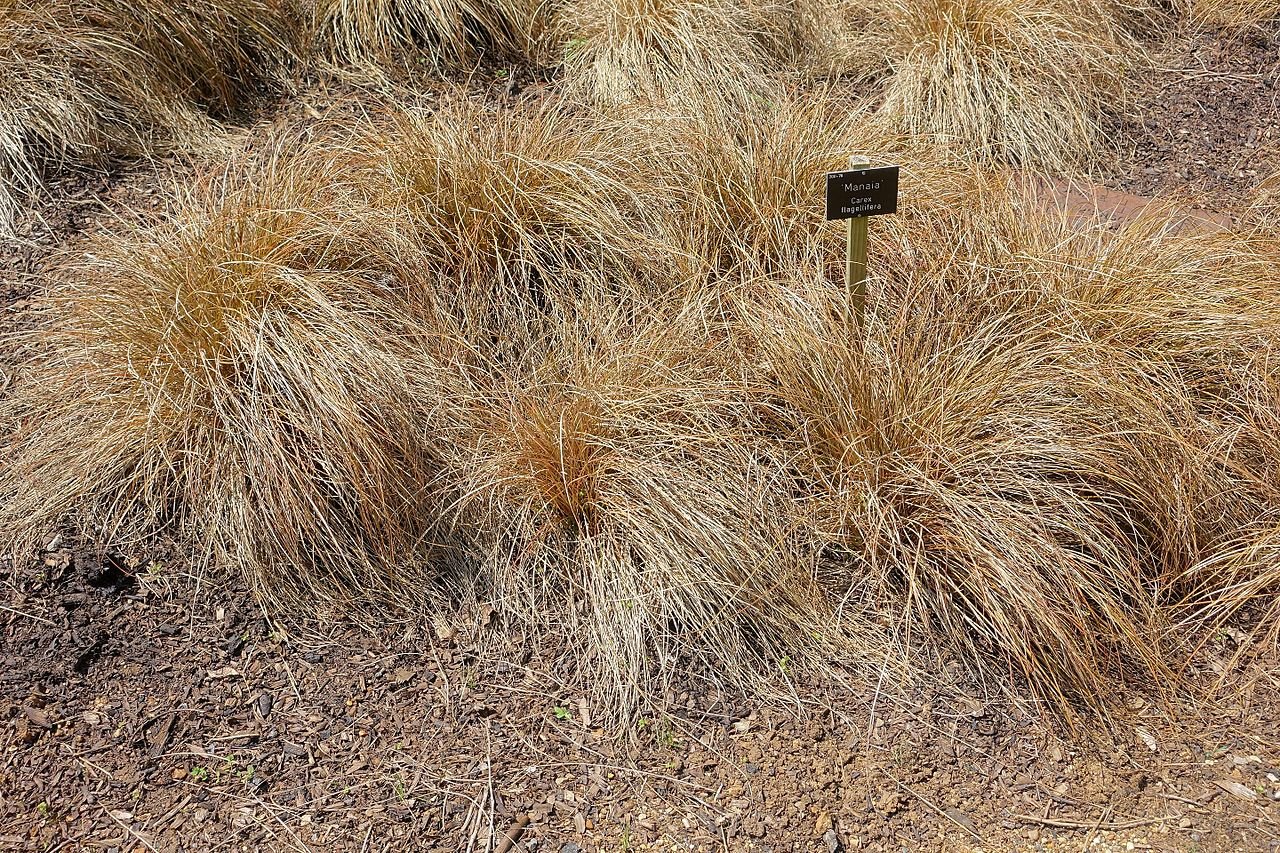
{"x":1205,"y":122}
{"x":141,"y":711}
{"x":74,"y":200}
{"x":145,"y":708}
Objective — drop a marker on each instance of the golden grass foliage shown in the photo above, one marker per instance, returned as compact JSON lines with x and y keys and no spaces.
{"x":620,"y":51}
{"x":1031,"y":449}
{"x":611,"y":491}
{"x":1233,"y":13}
{"x":1022,"y":81}
{"x":84,"y":81}
{"x":496,"y":199}
{"x":446,"y":33}
{"x":213,"y":53}
{"x":228,"y":377}
{"x":68,"y":91}
{"x":1263,"y":208}
{"x":549,"y":360}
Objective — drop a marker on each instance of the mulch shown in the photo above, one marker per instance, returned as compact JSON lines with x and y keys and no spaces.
{"x":144,"y":708}
{"x":1204,"y":124}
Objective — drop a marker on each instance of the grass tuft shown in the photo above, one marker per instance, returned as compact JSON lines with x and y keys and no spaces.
{"x":1021,"y":82}
{"x":506,"y":210}
{"x":1037,"y":439}
{"x":229,"y":377}
{"x":1235,"y":14}
{"x":217,"y":55}
{"x":612,"y":495}
{"x":398,"y":34}
{"x":68,"y":92}
{"x":83,"y":83}
{"x":621,"y":51}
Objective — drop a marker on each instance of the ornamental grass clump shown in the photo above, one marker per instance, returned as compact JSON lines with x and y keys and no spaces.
{"x":396,"y":35}
{"x":613,"y":493}
{"x":1038,"y":442}
{"x":617,"y":52}
{"x":218,"y":55}
{"x":509,"y":210}
{"x":600,"y":373}
{"x":84,"y":83}
{"x":69,"y":92}
{"x":1021,"y":82}
{"x":233,"y":377}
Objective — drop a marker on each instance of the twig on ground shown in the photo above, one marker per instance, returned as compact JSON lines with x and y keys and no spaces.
{"x":23,"y":612}
{"x":1093,"y":831}
{"x":512,"y":835}
{"x":131,"y":831}
{"x":1058,"y":823}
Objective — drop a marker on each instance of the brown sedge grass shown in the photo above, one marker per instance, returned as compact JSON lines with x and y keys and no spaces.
{"x":396,"y":34}
{"x":616,"y":52}
{"x":1020,"y":82}
{"x":1233,"y":13}
{"x":1038,"y":454}
{"x":69,"y":92}
{"x":228,"y":376}
{"x":83,"y":83}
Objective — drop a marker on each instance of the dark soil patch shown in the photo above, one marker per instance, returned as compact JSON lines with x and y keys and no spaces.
{"x":161,"y":713}
{"x":1205,"y":123}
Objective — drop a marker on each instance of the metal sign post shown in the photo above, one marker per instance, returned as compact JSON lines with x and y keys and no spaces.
{"x":855,"y":195}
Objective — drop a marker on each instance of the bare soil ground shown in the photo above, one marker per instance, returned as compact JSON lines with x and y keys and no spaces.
{"x":1204,"y":123}
{"x":141,"y":712}
{"x":145,"y":708}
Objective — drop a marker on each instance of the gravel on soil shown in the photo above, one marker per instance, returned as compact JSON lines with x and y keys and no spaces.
{"x":1205,"y":122}
{"x":142,"y":710}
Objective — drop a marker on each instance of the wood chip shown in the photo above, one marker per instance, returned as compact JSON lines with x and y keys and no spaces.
{"x":1235,"y":789}
{"x":37,"y":717}
{"x":1147,"y":738}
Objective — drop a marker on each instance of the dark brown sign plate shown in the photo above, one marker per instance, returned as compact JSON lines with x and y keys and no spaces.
{"x":862,"y":192}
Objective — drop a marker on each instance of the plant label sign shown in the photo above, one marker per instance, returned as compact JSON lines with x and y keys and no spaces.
{"x":862,"y":192}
